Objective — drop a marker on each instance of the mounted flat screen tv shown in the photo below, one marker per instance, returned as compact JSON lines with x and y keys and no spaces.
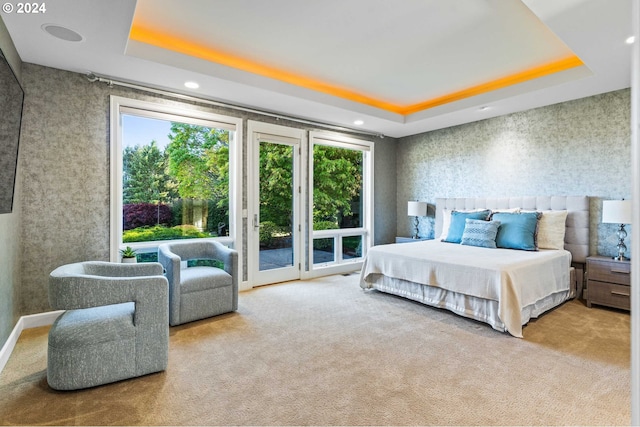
{"x":11,"y":99}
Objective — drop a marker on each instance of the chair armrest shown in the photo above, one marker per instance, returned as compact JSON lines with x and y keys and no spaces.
{"x":230,"y":259}
{"x":171,"y":264}
{"x":228,"y":256}
{"x":111,"y":269}
{"x":69,"y":291}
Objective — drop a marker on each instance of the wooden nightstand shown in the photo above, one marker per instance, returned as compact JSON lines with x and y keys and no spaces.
{"x":608,"y":282}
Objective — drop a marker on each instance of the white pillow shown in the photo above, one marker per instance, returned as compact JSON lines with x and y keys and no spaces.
{"x":446,"y":222}
{"x":551,"y":229}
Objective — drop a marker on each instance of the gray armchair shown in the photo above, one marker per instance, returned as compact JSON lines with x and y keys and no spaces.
{"x":115,"y":326}
{"x":199,"y":292}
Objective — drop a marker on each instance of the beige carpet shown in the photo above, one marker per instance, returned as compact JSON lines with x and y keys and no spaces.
{"x":325,"y":352}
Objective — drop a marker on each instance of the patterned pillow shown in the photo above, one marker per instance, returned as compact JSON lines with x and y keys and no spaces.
{"x":456,"y":228}
{"x":446,"y":219}
{"x":480,"y":233}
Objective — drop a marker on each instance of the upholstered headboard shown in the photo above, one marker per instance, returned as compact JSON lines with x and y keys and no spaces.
{"x":576,"y":238}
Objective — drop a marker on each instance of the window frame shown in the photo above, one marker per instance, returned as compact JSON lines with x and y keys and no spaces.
{"x":121,"y":105}
{"x":340,"y":265}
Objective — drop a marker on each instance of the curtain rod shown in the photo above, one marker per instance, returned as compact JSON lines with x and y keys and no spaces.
{"x":92,"y":77}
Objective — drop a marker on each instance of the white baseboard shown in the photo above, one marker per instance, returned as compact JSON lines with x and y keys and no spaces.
{"x":25,"y":322}
{"x":244,"y":286}
{"x":40,"y":319}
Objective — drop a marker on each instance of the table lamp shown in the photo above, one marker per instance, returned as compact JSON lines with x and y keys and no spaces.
{"x":416,"y":209}
{"x":618,"y":212}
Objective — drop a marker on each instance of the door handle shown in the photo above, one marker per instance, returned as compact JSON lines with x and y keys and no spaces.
{"x":256,"y":224}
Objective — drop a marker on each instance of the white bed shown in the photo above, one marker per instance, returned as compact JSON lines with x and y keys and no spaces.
{"x":502,"y":287}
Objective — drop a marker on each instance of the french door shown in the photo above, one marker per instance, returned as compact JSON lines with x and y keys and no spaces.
{"x":275,"y":226}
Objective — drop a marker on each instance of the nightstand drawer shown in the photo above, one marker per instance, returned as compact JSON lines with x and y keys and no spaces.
{"x":609,"y":294}
{"x":609,"y":271}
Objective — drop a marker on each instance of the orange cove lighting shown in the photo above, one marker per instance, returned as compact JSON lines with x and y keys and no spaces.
{"x":166,"y":41}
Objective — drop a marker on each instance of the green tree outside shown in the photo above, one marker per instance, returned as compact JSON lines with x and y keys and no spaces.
{"x":145,"y":178}
{"x":198,"y":161}
{"x":276,"y":177}
{"x":192,"y":175}
{"x":337,"y":183}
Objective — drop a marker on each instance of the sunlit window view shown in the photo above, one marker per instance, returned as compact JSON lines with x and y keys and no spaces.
{"x":337,"y":202}
{"x":175,"y":180}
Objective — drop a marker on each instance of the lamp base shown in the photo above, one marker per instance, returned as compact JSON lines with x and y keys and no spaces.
{"x":622,"y":248}
{"x":416,"y":224}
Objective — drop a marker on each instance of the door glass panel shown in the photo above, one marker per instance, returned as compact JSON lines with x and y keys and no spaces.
{"x":276,"y":205}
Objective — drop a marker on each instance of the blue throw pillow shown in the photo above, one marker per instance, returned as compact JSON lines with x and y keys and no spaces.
{"x":517,"y":230}
{"x":480,"y":233}
{"x":458,"y":218}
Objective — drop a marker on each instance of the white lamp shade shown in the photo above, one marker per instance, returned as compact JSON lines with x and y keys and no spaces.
{"x":415,"y":208}
{"x":616,"y":211}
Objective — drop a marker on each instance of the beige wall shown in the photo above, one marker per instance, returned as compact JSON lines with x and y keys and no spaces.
{"x":9,"y":228}
{"x":580,"y":147}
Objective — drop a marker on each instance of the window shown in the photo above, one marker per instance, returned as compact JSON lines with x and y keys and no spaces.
{"x":341,"y":193}
{"x":173,"y":172}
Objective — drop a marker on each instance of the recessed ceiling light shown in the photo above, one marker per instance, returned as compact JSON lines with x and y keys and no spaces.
{"x":358,"y":122}
{"x":630,"y":40}
{"x":192,"y":85}
{"x":62,"y":33}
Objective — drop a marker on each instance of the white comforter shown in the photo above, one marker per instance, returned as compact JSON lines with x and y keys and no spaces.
{"x":513,"y":278}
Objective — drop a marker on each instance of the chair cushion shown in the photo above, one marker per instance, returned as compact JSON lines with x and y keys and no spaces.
{"x":93,"y":325}
{"x":194,"y":279}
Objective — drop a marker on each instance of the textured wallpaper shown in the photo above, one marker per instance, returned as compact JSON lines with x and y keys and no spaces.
{"x":385,"y":219}
{"x":580,"y":147}
{"x":65,"y":176}
{"x":9,"y":227}
{"x":65,"y":173}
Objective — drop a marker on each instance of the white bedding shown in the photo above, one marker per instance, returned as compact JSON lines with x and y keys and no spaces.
{"x":514,"y":279}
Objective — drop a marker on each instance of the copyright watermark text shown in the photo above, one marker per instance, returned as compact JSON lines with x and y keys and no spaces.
{"x":24,"y":8}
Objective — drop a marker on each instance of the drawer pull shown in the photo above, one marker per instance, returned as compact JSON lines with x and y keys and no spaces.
{"x":620,"y":271}
{"x":622,"y":294}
